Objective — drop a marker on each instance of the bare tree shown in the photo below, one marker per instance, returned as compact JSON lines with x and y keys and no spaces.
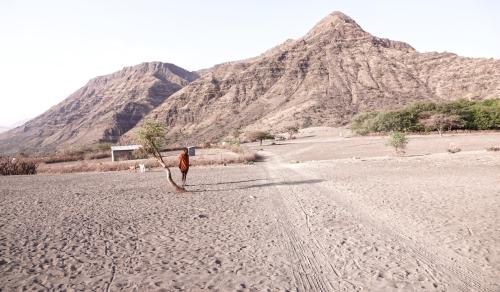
{"x":440,"y":122}
{"x":152,"y":137}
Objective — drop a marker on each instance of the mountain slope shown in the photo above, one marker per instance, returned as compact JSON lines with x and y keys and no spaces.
{"x":101,"y":111}
{"x":334,"y":71}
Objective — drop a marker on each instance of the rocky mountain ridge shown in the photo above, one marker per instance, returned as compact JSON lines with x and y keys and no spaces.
{"x":322,"y":79}
{"x":336,"y":70}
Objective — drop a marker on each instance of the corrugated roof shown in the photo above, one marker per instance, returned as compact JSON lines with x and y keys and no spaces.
{"x":125,"y":147}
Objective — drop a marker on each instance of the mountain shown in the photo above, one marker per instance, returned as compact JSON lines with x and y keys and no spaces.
{"x":333,"y":72}
{"x":101,"y":111}
{"x":3,"y":129}
{"x":336,"y":70}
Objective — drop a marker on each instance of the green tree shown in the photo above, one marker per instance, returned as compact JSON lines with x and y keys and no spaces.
{"x":486,"y":117}
{"x":398,"y":141}
{"x":394,"y":121}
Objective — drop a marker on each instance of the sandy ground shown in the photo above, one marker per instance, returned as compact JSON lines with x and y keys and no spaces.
{"x":375,"y":222}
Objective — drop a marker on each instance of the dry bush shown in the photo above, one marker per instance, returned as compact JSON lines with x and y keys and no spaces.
{"x":440,"y":122}
{"x":17,"y":166}
{"x":97,"y":155}
{"x":244,"y":156}
{"x":493,"y":148}
{"x":233,"y":148}
{"x":94,"y":166}
{"x":64,"y":157}
{"x":453,"y":148}
{"x":86,"y":154}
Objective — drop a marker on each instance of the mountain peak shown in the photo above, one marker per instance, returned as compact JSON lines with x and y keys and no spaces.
{"x":338,"y":15}
{"x":335,"y":21}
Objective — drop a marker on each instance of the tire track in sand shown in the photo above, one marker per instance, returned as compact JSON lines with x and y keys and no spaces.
{"x":434,"y":260}
{"x":311,"y":266}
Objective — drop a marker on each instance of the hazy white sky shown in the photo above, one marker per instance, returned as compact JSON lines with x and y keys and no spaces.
{"x":50,"y":48}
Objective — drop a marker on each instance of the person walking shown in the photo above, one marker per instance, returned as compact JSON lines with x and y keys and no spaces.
{"x":184,"y":164}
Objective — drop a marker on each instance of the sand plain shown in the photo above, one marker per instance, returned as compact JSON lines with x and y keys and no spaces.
{"x":343,"y":215}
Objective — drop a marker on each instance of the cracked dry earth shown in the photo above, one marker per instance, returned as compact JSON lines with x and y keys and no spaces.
{"x":394,"y":224}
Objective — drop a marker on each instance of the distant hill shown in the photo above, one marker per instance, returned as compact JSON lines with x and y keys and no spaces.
{"x":16,"y":124}
{"x":101,"y":111}
{"x":321,"y":79}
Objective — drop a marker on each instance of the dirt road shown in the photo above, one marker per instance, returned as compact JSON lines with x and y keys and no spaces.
{"x":391,"y":225}
{"x":423,"y":223}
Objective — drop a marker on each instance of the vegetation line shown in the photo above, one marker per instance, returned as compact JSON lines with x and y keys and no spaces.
{"x":431,"y":116}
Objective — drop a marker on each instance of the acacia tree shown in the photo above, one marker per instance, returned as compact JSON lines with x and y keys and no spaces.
{"x":152,"y":138}
{"x":292,"y":130}
{"x":441,"y":121}
{"x":260,"y":136}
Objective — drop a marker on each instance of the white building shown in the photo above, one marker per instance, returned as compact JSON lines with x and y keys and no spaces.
{"x":124,"y":151}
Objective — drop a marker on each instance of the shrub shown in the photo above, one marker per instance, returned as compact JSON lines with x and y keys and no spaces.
{"x":363,"y":123}
{"x":398,"y":141}
{"x":485,"y":118}
{"x":416,"y":108}
{"x":231,"y":141}
{"x":17,"y":166}
{"x":393,"y":121}
{"x":139,"y":154}
{"x":453,"y":148}
{"x":474,"y":115}
{"x":440,"y":122}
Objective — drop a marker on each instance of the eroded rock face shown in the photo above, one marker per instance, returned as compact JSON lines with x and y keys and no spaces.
{"x":334,"y":71}
{"x":101,"y":111}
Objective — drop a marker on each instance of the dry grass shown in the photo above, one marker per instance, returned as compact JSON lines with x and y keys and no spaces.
{"x":244,"y":156}
{"x":95,"y":166}
{"x":76,"y":156}
{"x":17,"y":166}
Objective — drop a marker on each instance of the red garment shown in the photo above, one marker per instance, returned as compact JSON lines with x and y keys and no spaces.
{"x":184,"y":162}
